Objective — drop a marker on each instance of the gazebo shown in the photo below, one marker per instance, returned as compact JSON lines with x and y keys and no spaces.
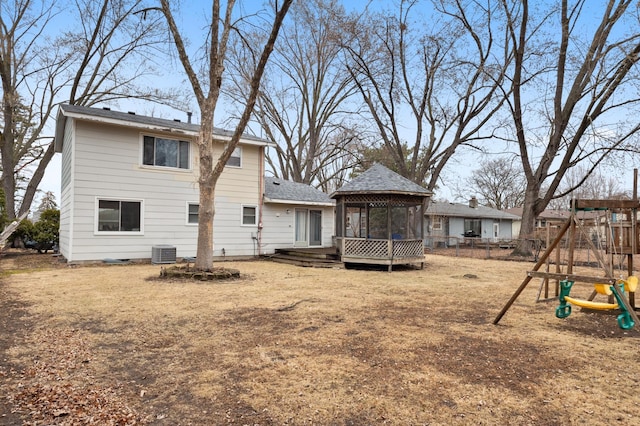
{"x":379,"y":219}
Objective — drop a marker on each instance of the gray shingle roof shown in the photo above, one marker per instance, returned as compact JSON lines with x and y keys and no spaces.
{"x":379,"y":179}
{"x":280,"y":190}
{"x":131,"y":119}
{"x":463,"y":210}
{"x":558,"y":215}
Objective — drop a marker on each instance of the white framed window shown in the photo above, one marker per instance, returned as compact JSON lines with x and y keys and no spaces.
{"x":249,"y":215}
{"x":163,"y":152}
{"x":119,"y":216}
{"x":192,"y":213}
{"x":436,"y":223}
{"x":236,"y":158}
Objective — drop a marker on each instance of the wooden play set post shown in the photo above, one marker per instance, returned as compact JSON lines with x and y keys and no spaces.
{"x":631,"y":248}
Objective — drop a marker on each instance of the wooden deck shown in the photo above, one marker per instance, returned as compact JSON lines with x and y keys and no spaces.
{"x":389,"y":253}
{"x":322,"y":257}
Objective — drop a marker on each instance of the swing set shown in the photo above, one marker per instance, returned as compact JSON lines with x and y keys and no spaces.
{"x":620,"y":221}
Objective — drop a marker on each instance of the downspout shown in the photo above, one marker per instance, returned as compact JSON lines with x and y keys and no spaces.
{"x":261,"y":199}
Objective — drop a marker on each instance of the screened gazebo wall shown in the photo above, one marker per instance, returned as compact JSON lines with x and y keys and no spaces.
{"x":380,"y":228}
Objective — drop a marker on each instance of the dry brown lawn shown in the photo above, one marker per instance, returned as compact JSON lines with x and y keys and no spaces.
{"x":285,"y":345}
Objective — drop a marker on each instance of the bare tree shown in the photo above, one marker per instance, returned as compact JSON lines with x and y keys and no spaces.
{"x":430,"y":85}
{"x":98,"y":62}
{"x":206,"y":86}
{"x":572,"y":91}
{"x":597,"y":185}
{"x":498,"y":183}
{"x":304,"y":94}
{"x":48,"y":202}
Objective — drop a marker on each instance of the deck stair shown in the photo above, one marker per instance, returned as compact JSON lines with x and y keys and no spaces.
{"x":310,"y":257}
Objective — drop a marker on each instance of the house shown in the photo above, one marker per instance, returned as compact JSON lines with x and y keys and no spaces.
{"x":595,"y":220}
{"x":446,"y":223}
{"x":295,"y":215}
{"x":554,"y":218}
{"x":130,"y":183}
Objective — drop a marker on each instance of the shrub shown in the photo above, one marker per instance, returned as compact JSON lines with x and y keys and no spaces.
{"x":42,"y":235}
{"x":46,"y":232}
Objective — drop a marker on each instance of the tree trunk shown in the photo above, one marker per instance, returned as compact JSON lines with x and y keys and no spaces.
{"x":8,"y":185}
{"x":7,"y":153}
{"x":36,"y":178}
{"x":526,"y":237}
{"x":206,"y":182}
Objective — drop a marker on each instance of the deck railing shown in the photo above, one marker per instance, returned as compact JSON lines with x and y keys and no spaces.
{"x":381,"y":249}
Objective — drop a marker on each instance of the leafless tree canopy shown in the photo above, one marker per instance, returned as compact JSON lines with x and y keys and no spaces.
{"x":498,"y":183}
{"x":304,"y":102}
{"x":581,"y":182}
{"x":573,"y":85}
{"x":100,"y":57}
{"x":430,"y":82}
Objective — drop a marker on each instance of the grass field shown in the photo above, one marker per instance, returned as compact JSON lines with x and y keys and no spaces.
{"x":285,"y":345}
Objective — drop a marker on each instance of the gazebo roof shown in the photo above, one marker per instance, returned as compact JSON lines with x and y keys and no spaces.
{"x":380,"y":180}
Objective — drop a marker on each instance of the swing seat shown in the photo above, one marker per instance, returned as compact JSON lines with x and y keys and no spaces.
{"x":603,"y":289}
{"x":631,"y":284}
{"x":600,"y":306}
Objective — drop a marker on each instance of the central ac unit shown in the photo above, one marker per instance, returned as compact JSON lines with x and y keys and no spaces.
{"x":163,"y":253}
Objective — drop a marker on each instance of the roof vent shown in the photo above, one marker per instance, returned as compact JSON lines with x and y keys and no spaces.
{"x":275,"y":182}
{"x":473,"y":203}
{"x":177,"y":120}
{"x":106,"y":108}
{"x":132,"y":113}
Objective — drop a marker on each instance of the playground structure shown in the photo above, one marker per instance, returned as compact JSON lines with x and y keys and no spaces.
{"x":617,"y":222}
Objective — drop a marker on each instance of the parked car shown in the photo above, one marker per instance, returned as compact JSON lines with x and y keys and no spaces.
{"x":41,"y":247}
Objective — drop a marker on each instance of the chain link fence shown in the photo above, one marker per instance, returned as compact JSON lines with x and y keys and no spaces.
{"x":584,"y":253}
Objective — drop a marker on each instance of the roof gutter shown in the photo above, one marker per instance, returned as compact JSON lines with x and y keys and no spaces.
{"x":217,"y":136}
{"x":298,"y":202}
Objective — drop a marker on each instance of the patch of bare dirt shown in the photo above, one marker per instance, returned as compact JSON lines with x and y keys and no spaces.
{"x":15,"y":325}
{"x":16,"y":260}
{"x":288,"y":345}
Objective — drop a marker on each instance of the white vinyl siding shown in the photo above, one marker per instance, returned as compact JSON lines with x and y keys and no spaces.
{"x":66,"y":194}
{"x":279,"y":226}
{"x":107,"y":165}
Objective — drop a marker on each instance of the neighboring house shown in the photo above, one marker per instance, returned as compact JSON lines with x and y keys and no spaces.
{"x":130,"y":183}
{"x":296,"y":215}
{"x":553,"y":217}
{"x":556,"y":218}
{"x":448,"y":222}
